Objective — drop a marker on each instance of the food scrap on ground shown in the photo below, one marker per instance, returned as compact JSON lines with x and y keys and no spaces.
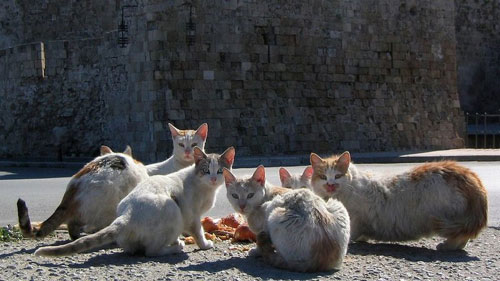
{"x":232,"y":227}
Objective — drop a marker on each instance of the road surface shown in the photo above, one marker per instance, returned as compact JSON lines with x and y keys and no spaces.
{"x":42,"y":188}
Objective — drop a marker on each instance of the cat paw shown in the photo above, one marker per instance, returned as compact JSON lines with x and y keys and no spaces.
{"x":180,"y":243}
{"x":254,"y":252}
{"x":443,"y":247}
{"x":207,"y":245}
{"x":449,"y":247}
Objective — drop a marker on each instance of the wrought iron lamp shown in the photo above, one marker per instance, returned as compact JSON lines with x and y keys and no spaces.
{"x":123,"y":29}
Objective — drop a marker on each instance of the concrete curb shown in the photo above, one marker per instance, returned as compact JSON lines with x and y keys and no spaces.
{"x":302,"y":160}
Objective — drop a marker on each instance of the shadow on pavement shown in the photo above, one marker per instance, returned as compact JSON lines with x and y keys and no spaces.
{"x":254,"y":267}
{"x":115,"y":258}
{"x":122,"y":258}
{"x":14,"y":173}
{"x":22,"y":251}
{"x":410,"y":253}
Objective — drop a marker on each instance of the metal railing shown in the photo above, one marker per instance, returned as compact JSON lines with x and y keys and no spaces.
{"x":482,"y":130}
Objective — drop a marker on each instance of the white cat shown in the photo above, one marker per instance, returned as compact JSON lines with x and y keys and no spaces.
{"x":184,"y":141}
{"x":91,"y":197}
{"x":438,"y":198}
{"x":151,"y":218}
{"x":296,"y":230}
{"x":296,"y":181}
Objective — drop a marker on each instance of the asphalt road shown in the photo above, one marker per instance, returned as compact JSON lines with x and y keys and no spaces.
{"x":42,"y":188}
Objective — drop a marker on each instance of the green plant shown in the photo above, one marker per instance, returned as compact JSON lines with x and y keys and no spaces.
{"x":9,"y":233}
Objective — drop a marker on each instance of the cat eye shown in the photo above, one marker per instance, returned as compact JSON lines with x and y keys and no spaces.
{"x":219,"y":171}
{"x":206,"y":171}
{"x":250,"y":195}
{"x":181,"y":144}
{"x":235,"y":196}
{"x":194,"y":144}
{"x":338,"y":176}
{"x":323,"y":177}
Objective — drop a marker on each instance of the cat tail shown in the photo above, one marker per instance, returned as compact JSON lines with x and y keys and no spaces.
{"x":475,"y":217}
{"x":24,"y":219}
{"x":105,"y":236}
{"x":469,"y":226}
{"x":64,"y":211}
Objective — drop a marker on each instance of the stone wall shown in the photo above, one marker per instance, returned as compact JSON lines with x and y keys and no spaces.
{"x":297,"y":77}
{"x":269,"y":77}
{"x":478,"y":54}
{"x":25,"y":21}
{"x":65,"y":93}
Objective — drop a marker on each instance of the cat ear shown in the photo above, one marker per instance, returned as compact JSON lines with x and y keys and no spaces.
{"x":198,"y":155}
{"x":343,"y":162}
{"x":315,"y":159}
{"x":260,"y":175}
{"x":105,"y":150}
{"x":202,"y":131}
{"x":128,"y":151}
{"x":228,"y":156}
{"x":308,"y":173}
{"x":228,"y":176}
{"x":173,"y":130}
{"x":284,"y":175}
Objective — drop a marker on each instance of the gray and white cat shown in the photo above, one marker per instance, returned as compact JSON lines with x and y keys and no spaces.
{"x":296,"y":181}
{"x":437,"y":198}
{"x":296,"y":230}
{"x":184,"y":141}
{"x":91,"y":197}
{"x":151,"y":218}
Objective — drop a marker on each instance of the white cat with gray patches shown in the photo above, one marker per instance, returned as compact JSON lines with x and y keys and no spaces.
{"x":296,"y":181}
{"x":296,"y":230}
{"x":151,"y":218}
{"x":90,"y":200}
{"x":437,"y":198}
{"x":183,"y":143}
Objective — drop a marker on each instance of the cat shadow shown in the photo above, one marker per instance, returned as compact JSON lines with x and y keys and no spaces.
{"x":122,"y":258}
{"x":18,"y":252}
{"x":115,"y":258}
{"x":409,"y":253}
{"x":252,"y":266}
{"x":32,"y":250}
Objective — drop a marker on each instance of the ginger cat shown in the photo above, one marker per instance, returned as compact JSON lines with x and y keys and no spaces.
{"x":184,"y":142}
{"x":437,"y":198}
{"x":91,"y":197}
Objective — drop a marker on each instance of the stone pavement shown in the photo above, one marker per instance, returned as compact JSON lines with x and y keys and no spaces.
{"x":464,"y":154}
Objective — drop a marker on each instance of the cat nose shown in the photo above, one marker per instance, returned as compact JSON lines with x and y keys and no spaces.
{"x":187,"y":152}
{"x":213,"y":179}
{"x":242,"y":207}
